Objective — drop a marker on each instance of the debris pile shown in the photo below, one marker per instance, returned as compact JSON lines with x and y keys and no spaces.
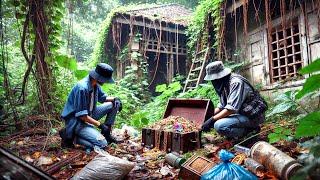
{"x":175,"y":124}
{"x":148,"y":163}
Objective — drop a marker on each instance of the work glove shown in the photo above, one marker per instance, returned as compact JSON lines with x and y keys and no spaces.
{"x":105,"y":130}
{"x":208,"y":124}
{"x":117,"y":104}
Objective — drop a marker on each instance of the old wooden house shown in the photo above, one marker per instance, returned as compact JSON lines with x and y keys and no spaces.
{"x":275,"y":37}
{"x":157,"y":33}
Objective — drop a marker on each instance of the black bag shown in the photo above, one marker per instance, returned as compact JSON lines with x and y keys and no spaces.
{"x":254,"y":105}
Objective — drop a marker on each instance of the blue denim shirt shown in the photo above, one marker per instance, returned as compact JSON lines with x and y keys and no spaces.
{"x":78,"y":102}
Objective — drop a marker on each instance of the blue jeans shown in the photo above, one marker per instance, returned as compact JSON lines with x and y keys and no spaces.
{"x":87,"y":135}
{"x":234,"y":125}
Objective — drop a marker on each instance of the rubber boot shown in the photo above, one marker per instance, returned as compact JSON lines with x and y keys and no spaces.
{"x":110,"y":139}
{"x":65,"y":143}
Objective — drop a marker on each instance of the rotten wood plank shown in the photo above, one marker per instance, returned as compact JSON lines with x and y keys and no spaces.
{"x":57,"y":166}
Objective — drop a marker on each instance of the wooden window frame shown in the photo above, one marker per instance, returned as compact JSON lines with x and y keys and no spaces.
{"x":285,"y":58}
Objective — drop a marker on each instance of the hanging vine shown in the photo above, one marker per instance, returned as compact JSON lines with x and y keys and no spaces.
{"x":99,"y":52}
{"x":204,"y":9}
{"x":41,"y":25}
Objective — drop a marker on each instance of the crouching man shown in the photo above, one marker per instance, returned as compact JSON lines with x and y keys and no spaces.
{"x":241,"y":108}
{"x":82,"y":115}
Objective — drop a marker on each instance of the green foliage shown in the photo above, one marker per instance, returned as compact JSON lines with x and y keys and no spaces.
{"x":290,"y":102}
{"x":279,"y":133}
{"x":133,"y":91}
{"x":135,"y":78}
{"x":309,"y":125}
{"x":130,"y":102}
{"x":234,"y":66}
{"x":55,"y":13}
{"x":154,"y":110}
{"x":81,"y":25}
{"x":311,"y":68}
{"x":66,"y":62}
{"x":99,"y":54}
{"x":80,"y":73}
{"x":203,"y":91}
{"x":196,"y":26}
{"x":285,"y":102}
{"x":312,"y":84}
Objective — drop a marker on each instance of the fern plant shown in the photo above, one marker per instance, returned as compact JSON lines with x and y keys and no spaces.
{"x":289,"y":103}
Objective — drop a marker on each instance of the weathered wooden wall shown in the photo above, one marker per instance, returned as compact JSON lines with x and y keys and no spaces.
{"x":254,"y":46}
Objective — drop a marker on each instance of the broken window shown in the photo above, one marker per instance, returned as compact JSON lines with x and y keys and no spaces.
{"x":286,"y":56}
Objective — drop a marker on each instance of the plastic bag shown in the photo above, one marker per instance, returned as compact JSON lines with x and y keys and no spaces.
{"x":131,"y":131}
{"x":227,"y":170}
{"x":105,"y":166}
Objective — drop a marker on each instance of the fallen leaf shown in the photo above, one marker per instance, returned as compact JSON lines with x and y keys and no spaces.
{"x":20,"y":143}
{"x":29,"y":159}
{"x":54,"y":158}
{"x":43,"y":160}
{"x":36,"y":155}
{"x":239,"y":159}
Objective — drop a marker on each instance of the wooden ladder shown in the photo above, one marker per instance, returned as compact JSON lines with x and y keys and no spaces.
{"x":196,"y":71}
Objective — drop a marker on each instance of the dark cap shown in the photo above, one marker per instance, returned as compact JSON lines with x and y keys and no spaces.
{"x":102,"y":73}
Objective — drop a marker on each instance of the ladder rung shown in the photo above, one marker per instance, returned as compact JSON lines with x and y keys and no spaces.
{"x":192,"y":80}
{"x":202,"y":51}
{"x":191,"y":87}
{"x":197,"y":61}
{"x":196,"y":69}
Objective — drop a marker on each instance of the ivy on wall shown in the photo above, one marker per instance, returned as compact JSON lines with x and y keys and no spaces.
{"x":99,"y":53}
{"x":196,"y":27}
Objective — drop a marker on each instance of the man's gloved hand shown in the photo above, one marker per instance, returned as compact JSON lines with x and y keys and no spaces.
{"x":208,"y":125}
{"x":117,"y":104}
{"x":105,"y":130}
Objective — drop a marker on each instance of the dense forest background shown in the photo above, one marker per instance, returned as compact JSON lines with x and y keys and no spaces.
{"x":45,"y":46}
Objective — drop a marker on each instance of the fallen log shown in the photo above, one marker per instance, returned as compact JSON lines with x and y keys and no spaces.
{"x":57,"y":166}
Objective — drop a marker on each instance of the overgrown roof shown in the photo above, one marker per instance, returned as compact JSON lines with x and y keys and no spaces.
{"x":173,"y":13}
{"x":169,"y":13}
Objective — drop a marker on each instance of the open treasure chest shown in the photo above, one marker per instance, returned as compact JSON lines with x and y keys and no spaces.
{"x":178,"y":131}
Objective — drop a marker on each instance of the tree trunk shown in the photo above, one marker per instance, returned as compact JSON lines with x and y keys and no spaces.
{"x":43,"y":68}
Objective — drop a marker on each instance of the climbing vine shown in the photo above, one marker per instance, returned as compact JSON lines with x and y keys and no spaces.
{"x":40,"y":41}
{"x":196,"y":27}
{"x":136,"y":76}
{"x":99,"y":52}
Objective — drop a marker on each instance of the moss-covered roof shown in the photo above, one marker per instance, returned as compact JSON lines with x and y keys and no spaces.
{"x":173,"y":13}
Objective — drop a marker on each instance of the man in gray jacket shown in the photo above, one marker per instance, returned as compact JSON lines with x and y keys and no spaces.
{"x":232,"y":90}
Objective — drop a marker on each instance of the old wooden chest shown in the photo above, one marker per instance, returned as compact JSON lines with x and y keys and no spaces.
{"x":195,"y":167}
{"x":195,"y":110}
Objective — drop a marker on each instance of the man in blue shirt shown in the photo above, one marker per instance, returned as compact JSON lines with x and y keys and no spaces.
{"x":81,"y":113}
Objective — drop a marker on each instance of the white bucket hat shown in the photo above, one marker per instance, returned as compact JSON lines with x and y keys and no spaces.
{"x":216,"y":70}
